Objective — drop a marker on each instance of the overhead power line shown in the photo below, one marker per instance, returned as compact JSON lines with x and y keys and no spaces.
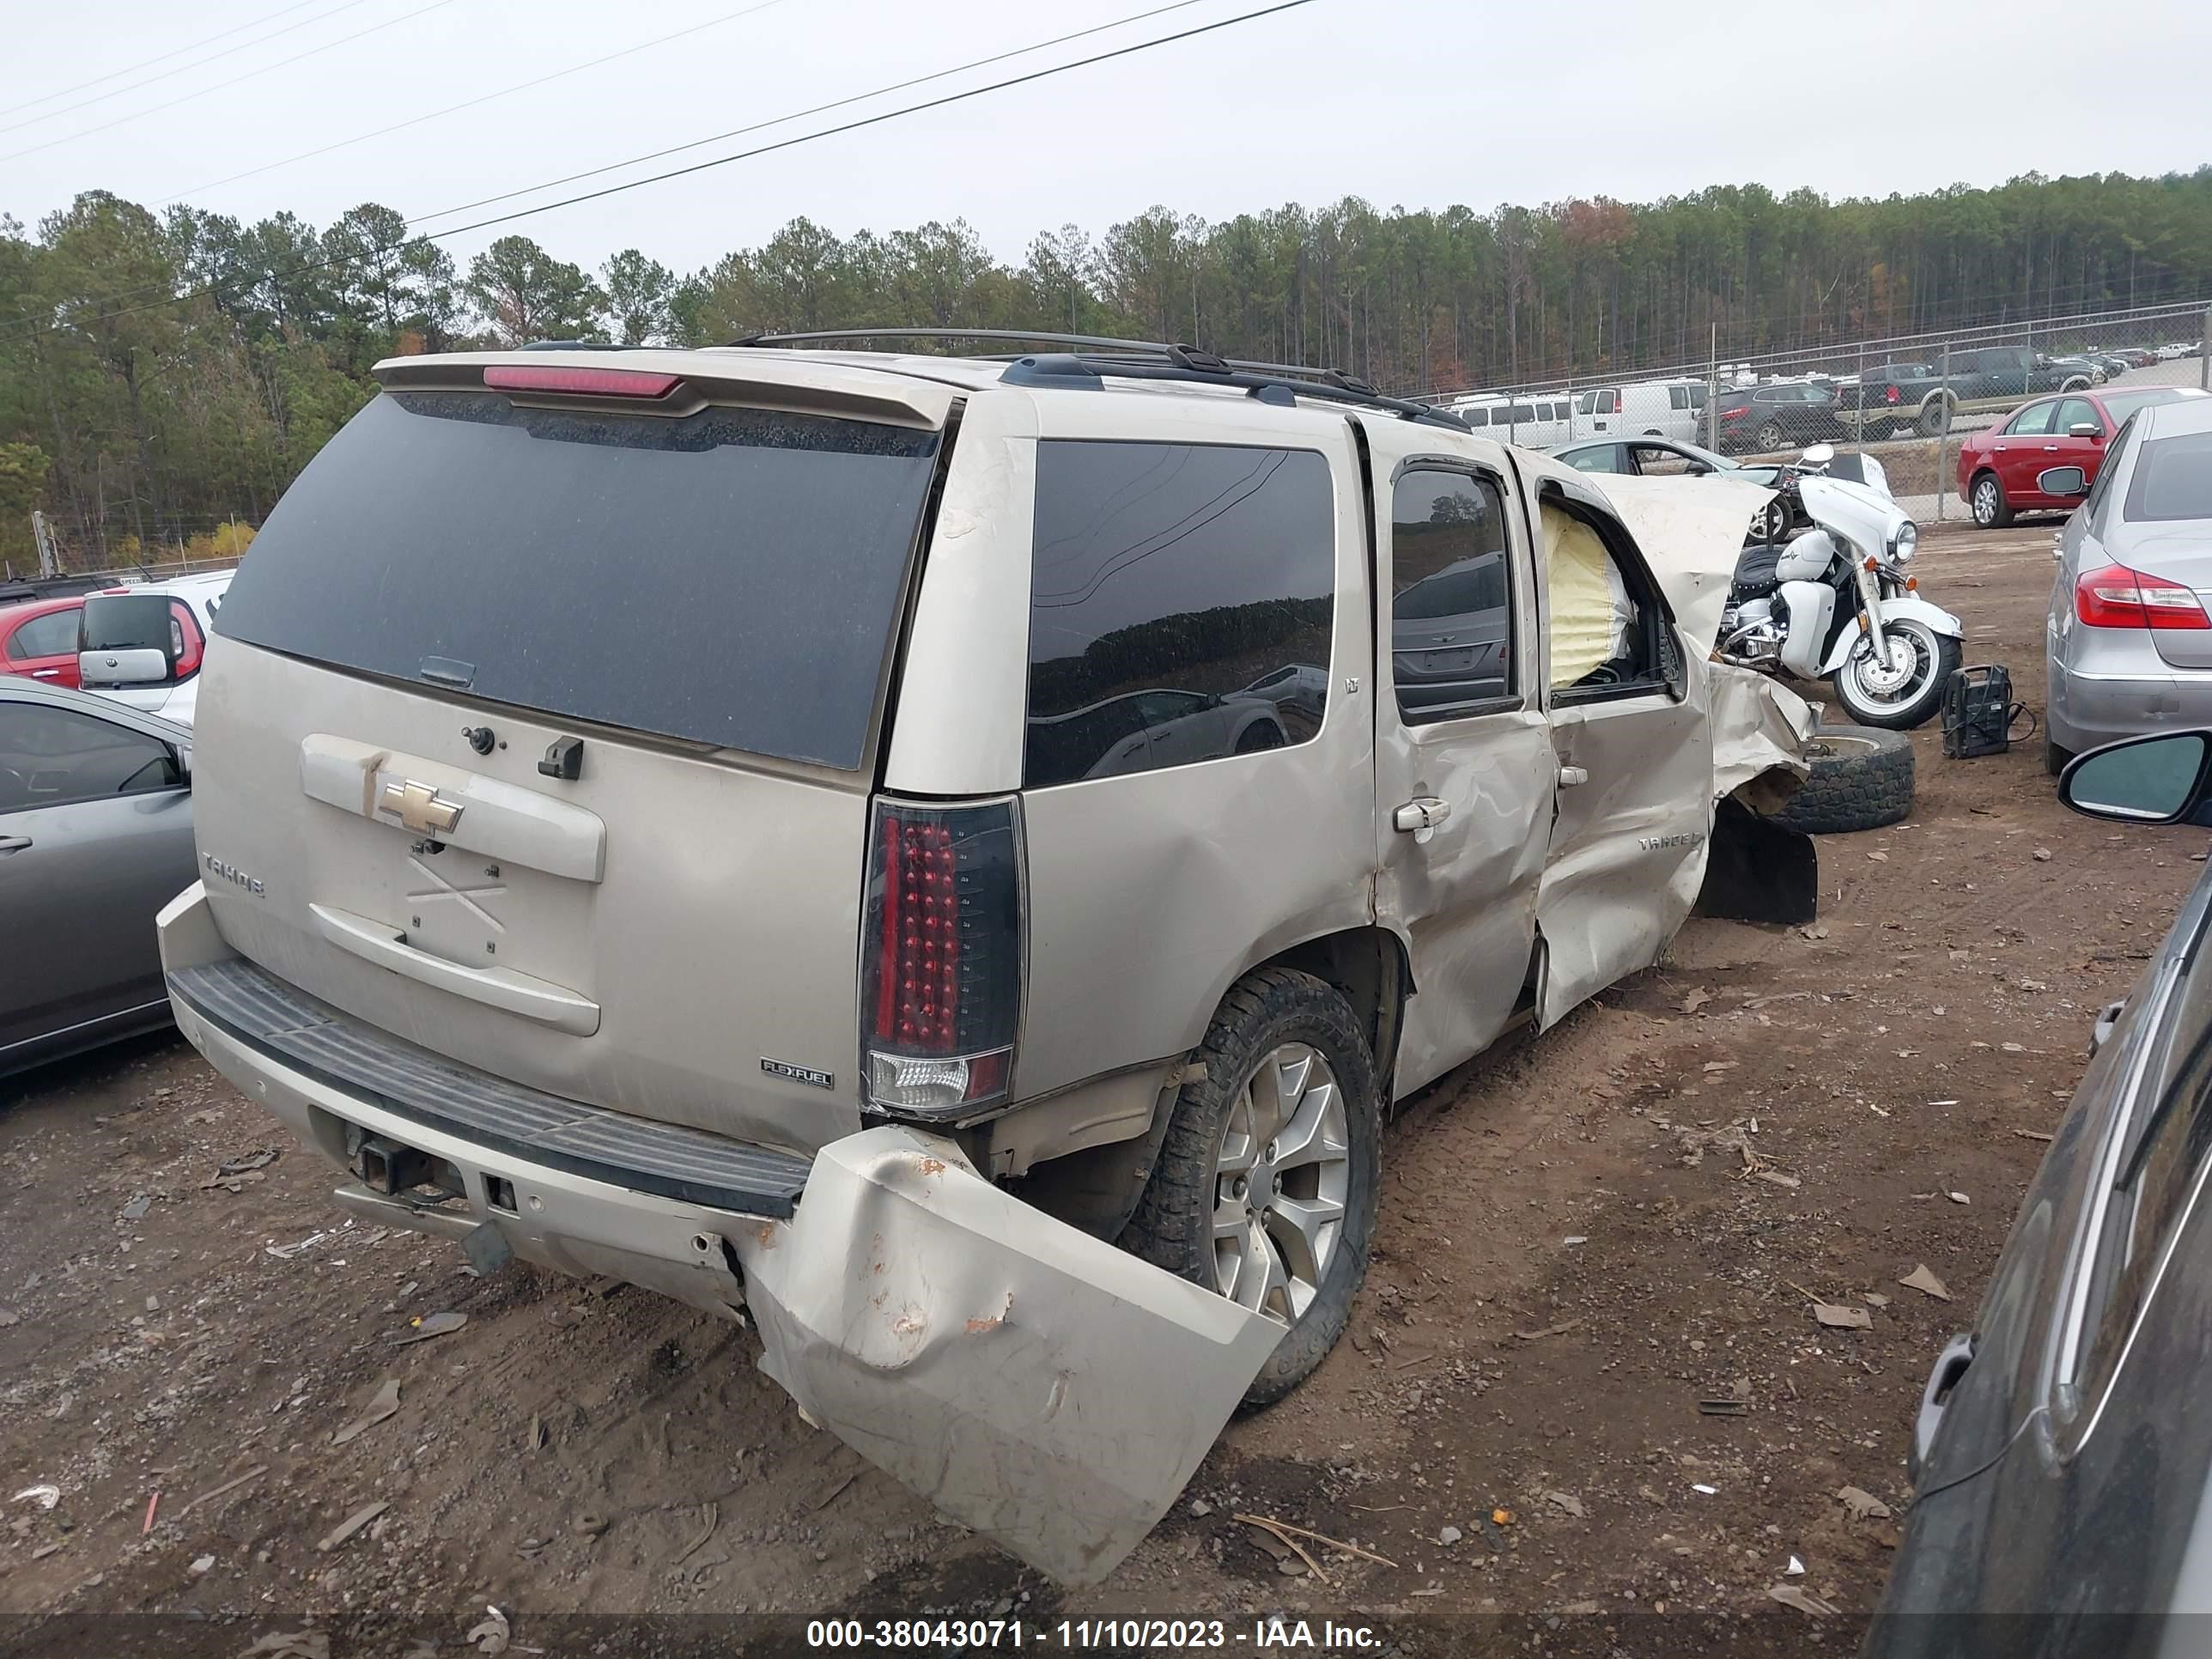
{"x":817,"y":109}
{"x":282,"y":62}
{"x":471,"y":103}
{"x":111,"y":309}
{"x":864,"y":121}
{"x":159,"y":57}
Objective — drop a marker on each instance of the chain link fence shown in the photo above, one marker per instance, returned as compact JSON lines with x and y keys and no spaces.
{"x":1962,"y":423}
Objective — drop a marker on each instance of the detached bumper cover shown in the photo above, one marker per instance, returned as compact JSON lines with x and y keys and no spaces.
{"x":1046,"y":1389}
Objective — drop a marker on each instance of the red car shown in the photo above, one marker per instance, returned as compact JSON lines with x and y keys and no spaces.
{"x":38,"y":639}
{"x":1999,"y":467}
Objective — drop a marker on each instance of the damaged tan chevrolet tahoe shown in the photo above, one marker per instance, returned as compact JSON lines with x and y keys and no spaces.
{"x":951,"y":857}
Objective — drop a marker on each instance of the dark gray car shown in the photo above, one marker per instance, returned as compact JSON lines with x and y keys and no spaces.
{"x":95,"y":837}
{"x":2061,"y":1453}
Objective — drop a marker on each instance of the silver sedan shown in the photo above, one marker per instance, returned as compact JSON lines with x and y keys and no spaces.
{"x":2130,"y":634}
{"x":95,"y":837}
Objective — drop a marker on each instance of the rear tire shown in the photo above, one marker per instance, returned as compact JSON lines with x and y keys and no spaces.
{"x":2054,"y":759}
{"x":1863,"y":779}
{"x":1987,"y":498}
{"x":1174,"y":1224}
{"x":1771,"y":438}
{"x":1936,"y":417}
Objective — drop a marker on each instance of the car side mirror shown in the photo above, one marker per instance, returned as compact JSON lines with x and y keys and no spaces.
{"x":1818,"y":455}
{"x":2085,"y":429}
{"x":2064,"y":480}
{"x":135,"y":665}
{"x":2154,"y":779}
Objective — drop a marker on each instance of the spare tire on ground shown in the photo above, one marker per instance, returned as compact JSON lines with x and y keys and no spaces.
{"x":1862,"y":780}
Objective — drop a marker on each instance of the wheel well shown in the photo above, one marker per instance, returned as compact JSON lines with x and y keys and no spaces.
{"x":1980,"y":473}
{"x":1368,"y":967}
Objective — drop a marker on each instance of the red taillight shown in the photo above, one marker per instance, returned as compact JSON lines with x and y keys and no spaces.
{"x":1734,"y":414}
{"x":941,"y":959}
{"x":579,"y":382}
{"x":1892,"y":395}
{"x":2114,"y":596}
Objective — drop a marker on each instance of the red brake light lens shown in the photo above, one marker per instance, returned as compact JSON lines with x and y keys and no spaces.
{"x":941,"y":959}
{"x":579,"y":382}
{"x":1892,"y":395}
{"x":2114,"y":596}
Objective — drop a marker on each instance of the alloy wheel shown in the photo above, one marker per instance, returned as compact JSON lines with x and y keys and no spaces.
{"x":1280,"y":1182}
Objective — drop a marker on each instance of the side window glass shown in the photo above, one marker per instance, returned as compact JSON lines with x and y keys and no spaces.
{"x":1475,"y":417}
{"x":1655,"y":463}
{"x":1604,"y":629}
{"x":1584,"y":404}
{"x":1678,"y":396}
{"x":2100,"y":489}
{"x":53,"y":635}
{"x":58,"y":756}
{"x":2160,"y":1165}
{"x":1199,"y":570}
{"x":1608,"y":403}
{"x":2034,"y":420}
{"x":1451,"y":599}
{"x":1605,"y":458}
{"x":2075,"y":411}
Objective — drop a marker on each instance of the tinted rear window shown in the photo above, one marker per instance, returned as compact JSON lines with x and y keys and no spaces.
{"x":731,"y":577}
{"x":2172,"y":480}
{"x":126,"y":621}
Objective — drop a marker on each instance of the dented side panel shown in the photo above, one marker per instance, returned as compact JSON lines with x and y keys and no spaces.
{"x":1044,"y":1387}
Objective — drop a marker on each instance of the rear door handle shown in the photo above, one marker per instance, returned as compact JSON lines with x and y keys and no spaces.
{"x":1935,"y":1398}
{"x":45,"y":673}
{"x":14,"y":843}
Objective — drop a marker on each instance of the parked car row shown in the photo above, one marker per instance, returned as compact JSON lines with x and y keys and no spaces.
{"x":142,"y":644}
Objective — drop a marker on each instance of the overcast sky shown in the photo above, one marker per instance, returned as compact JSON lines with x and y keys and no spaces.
{"x":1420,"y":103}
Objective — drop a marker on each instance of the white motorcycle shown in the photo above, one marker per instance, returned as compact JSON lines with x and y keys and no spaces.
{"x":1836,"y":602}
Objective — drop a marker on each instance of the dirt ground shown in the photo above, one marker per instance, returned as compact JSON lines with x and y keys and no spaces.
{"x":1589,"y":1311}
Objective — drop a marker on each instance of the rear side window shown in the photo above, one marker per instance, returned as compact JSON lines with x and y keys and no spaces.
{"x":732,"y":578}
{"x":1475,"y":417}
{"x":2034,"y":420}
{"x":1173,"y":585}
{"x":53,"y":635}
{"x":2172,"y":480}
{"x":1451,"y":602}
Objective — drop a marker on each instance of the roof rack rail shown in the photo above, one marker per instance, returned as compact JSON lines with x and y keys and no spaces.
{"x":1140,"y":359}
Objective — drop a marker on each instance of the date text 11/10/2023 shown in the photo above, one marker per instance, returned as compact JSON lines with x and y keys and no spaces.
{"x":1165,"y":1635}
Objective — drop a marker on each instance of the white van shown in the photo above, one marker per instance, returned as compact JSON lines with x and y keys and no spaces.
{"x":1534,"y":420}
{"x":1650,"y":408}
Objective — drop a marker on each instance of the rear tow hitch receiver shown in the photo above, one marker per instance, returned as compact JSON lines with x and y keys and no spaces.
{"x":386,"y":1166}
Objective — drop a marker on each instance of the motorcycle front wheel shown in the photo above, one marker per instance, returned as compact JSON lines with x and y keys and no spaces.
{"x":1906,"y":690}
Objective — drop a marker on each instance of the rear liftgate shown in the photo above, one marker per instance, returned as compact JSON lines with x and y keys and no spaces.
{"x":1046,"y":1389}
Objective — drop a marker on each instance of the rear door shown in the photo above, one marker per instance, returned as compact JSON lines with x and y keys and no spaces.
{"x":1463,"y":771}
{"x":43,"y":647}
{"x":557,"y":760}
{"x":1632,"y":751}
{"x":95,"y":836}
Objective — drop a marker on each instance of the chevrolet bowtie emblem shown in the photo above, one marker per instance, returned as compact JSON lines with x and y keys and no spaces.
{"x":418,"y":807}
